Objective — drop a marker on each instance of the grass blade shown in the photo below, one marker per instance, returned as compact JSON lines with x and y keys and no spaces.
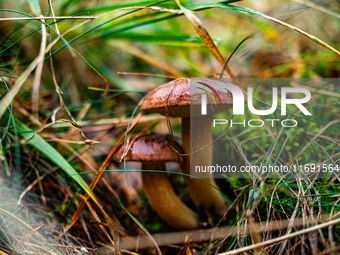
{"x":203,"y":33}
{"x":45,"y":148}
{"x":254,"y":13}
{"x":34,"y":4}
{"x":66,"y":44}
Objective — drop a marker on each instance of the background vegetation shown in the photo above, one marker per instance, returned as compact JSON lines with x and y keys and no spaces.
{"x":69,"y":91}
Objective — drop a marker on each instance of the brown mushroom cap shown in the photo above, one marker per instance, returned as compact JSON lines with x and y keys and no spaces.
{"x":181,"y":97}
{"x":150,"y":148}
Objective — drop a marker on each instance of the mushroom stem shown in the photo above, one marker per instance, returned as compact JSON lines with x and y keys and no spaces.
{"x":164,"y":200}
{"x":204,"y":195}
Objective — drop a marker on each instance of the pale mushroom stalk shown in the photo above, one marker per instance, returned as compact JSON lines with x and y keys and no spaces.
{"x":154,"y":151}
{"x":204,"y":195}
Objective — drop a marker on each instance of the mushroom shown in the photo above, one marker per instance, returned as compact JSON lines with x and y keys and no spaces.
{"x":177,"y":97}
{"x":153,"y":151}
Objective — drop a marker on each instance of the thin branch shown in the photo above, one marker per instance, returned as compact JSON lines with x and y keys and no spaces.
{"x":281,"y":238}
{"x":47,"y":18}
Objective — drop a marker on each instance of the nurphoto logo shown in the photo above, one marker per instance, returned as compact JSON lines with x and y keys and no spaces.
{"x":239,"y":102}
{"x":238,"y":99}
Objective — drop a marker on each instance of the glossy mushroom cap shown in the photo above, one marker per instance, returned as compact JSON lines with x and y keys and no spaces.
{"x":181,"y":97}
{"x":150,"y":148}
